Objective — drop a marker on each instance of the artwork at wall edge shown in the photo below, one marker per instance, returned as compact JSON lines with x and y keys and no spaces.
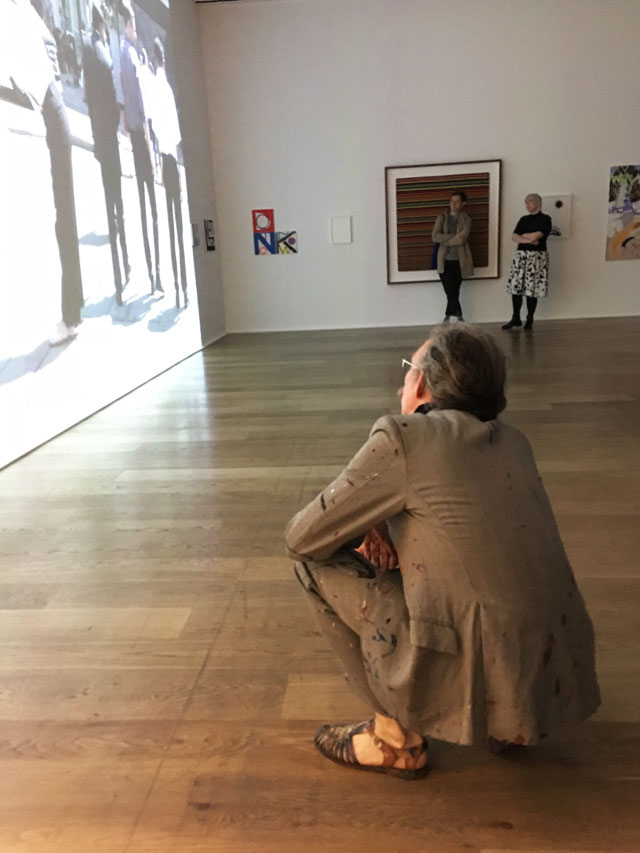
{"x":623,"y":214}
{"x":416,"y":195}
{"x":209,"y":235}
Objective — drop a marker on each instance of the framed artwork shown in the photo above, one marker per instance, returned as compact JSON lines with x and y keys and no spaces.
{"x":558,"y":207}
{"x":416,"y":195}
{"x":623,"y":222}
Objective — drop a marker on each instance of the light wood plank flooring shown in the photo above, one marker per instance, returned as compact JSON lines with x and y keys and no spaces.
{"x":160,"y":678}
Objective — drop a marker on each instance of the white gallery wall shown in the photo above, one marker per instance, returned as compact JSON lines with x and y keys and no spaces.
{"x":309,"y":100}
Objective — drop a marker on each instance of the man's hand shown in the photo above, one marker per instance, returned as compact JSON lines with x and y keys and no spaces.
{"x":377,"y":547}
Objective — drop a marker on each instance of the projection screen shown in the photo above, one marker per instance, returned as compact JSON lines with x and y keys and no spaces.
{"x":97,"y":282}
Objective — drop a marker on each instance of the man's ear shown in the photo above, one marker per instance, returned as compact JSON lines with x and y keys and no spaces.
{"x":422,"y":393}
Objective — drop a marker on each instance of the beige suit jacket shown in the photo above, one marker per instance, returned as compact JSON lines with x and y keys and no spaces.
{"x":441,"y":235}
{"x":488,"y":586}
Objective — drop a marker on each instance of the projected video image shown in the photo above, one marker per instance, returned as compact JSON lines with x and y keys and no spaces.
{"x":97,"y":281}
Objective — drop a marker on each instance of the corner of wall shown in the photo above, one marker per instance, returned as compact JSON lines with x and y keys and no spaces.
{"x":192,"y":107}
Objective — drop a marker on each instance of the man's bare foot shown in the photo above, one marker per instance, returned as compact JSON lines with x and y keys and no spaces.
{"x":369,"y":746}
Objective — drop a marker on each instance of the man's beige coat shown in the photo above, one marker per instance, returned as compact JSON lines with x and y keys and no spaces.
{"x":441,"y":235}
{"x":501,"y":643}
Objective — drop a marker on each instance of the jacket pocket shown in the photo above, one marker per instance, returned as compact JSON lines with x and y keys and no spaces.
{"x":434,"y":635}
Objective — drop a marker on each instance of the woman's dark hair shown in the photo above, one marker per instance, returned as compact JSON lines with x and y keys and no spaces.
{"x":464,"y":368}
{"x":461,"y":194}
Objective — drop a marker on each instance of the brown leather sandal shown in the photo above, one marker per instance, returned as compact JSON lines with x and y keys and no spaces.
{"x":336,"y":744}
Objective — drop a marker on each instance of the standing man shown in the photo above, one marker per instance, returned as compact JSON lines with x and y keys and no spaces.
{"x":104,"y":112}
{"x":167,"y":132}
{"x":451,"y":232}
{"x":135,"y":115}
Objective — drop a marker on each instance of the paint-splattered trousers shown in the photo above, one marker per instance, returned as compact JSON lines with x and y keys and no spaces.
{"x":363,"y":613}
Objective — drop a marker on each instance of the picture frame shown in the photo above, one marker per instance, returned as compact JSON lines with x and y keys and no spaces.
{"x":416,"y":195}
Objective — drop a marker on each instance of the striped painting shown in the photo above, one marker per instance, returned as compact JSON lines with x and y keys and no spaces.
{"x":419,"y":200}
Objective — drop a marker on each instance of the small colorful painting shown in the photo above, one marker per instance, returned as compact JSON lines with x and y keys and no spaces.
{"x":287,"y":242}
{"x":623,"y":224}
{"x":263,"y":221}
{"x":265,"y":243}
{"x":268,"y":241}
{"x":558,"y":207}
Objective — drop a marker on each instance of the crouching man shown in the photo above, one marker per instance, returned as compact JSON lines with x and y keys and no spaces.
{"x":458,"y":616}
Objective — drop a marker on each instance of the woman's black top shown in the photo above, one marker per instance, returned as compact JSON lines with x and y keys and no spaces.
{"x":534,"y":222}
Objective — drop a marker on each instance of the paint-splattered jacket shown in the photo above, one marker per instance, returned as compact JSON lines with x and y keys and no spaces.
{"x":492,"y":600}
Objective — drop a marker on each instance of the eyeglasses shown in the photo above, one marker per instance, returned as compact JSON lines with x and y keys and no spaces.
{"x":407,"y":365}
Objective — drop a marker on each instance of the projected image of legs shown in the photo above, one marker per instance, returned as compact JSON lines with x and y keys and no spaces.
{"x":94,"y":141}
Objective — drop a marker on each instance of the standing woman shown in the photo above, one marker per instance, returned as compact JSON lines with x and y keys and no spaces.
{"x":451,"y":232}
{"x":529,"y":275}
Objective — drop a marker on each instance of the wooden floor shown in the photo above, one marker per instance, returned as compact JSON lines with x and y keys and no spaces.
{"x":160,"y":678}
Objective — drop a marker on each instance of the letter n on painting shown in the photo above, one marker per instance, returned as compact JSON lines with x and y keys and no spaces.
{"x":265,"y":243}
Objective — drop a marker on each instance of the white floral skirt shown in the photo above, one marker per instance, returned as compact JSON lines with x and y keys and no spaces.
{"x":529,"y":274}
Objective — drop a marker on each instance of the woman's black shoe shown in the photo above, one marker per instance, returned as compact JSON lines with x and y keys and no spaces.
{"x":513,"y":322}
{"x":529,"y":323}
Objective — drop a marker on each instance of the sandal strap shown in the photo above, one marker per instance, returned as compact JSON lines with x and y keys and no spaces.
{"x":391,"y":754}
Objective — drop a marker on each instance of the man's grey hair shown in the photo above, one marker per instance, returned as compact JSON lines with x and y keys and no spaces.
{"x":537,"y":198}
{"x":464,"y":368}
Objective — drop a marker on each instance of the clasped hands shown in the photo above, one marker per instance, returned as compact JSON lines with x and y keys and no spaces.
{"x":378,"y":549}
{"x":531,"y":237}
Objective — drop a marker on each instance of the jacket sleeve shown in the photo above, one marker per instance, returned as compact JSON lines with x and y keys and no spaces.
{"x":462,"y":235}
{"x":371,"y":489}
{"x":438,"y":235}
